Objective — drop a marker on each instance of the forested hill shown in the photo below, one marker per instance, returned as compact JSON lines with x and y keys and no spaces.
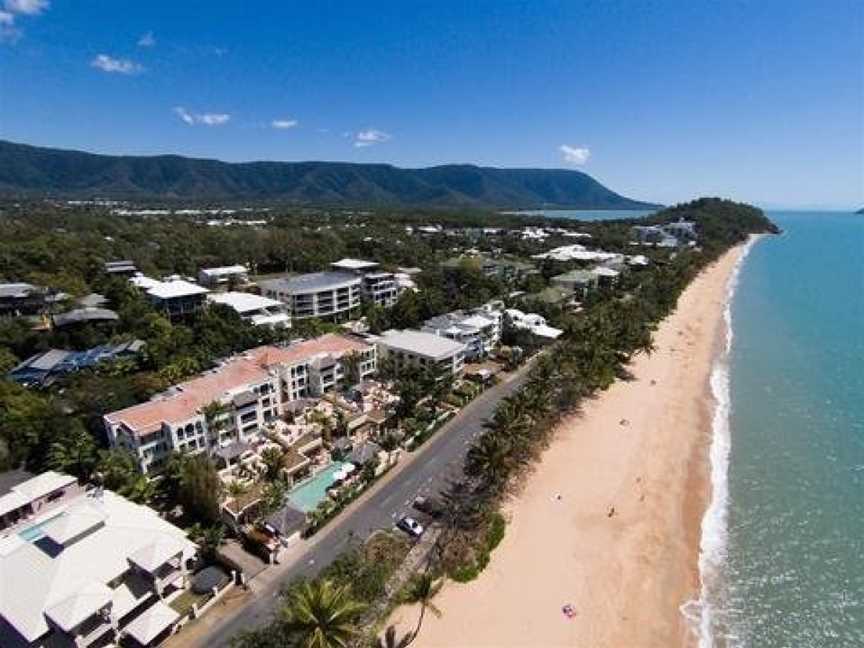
{"x":30,"y":170}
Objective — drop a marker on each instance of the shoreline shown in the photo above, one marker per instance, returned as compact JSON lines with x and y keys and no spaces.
{"x":640,"y":451}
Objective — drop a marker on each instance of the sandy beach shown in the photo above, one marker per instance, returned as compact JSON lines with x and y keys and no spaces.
{"x":621,"y":543}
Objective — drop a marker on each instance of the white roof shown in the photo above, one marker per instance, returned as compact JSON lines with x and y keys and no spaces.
{"x":175,"y":288}
{"x":151,"y":556}
{"x":42,"y":484}
{"x":354,"y":264}
{"x":545,"y":331}
{"x":420,"y":343}
{"x":151,"y":623}
{"x":78,"y":606}
{"x":605,"y":272}
{"x":144,"y":282}
{"x":34,"y":581}
{"x":244,"y":302}
{"x":64,"y":528}
{"x":224,"y":270}
{"x":477,"y":321}
{"x":11,"y":501}
{"x":279,"y":319}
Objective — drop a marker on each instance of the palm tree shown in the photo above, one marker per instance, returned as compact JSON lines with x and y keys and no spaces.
{"x":322,"y":615}
{"x":488,"y":460}
{"x":391,"y":641}
{"x":236,"y":489}
{"x":272,"y":459}
{"x":421,"y":589}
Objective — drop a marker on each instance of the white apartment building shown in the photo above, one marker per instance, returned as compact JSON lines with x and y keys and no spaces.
{"x":328,"y":295}
{"x":223,"y":276}
{"x":176,"y":298}
{"x":379,"y":287}
{"x":252,"y":389}
{"x":422,"y":350}
{"x":86,"y":568}
{"x":258,"y":310}
{"x":479,"y":329}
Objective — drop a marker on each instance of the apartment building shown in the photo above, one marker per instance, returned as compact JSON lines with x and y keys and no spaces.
{"x":378,"y":286}
{"x":255,"y":309}
{"x":223,"y":276}
{"x":479,"y":330}
{"x":177,"y":298}
{"x":249,"y":390}
{"x":88,"y":567}
{"x":328,"y":295}
{"x":421,"y":349}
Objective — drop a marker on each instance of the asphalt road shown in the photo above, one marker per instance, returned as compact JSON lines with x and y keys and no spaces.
{"x":436,"y":462}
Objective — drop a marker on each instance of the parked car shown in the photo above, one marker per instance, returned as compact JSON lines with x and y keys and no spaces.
{"x":429,"y":506}
{"x":410,"y":526}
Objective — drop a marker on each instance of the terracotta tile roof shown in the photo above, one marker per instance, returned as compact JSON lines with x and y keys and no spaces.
{"x":251,"y":367}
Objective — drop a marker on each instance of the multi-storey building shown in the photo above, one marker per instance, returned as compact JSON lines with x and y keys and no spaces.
{"x":233,"y":402}
{"x":421,"y":350}
{"x":176,"y":298}
{"x":255,"y":309}
{"x":328,"y":295}
{"x":479,"y":330}
{"x":380,"y":287}
{"x":83,"y":568}
{"x":223,"y":276}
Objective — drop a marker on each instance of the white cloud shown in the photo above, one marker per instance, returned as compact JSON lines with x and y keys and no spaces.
{"x":208,"y":119}
{"x":26,"y":7}
{"x":9,"y":32}
{"x":115,"y":65}
{"x":147,"y":40}
{"x":283,"y":124}
{"x":575,"y":155}
{"x":370,"y":137}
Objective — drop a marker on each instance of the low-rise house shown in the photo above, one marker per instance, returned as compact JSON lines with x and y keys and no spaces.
{"x":327,"y":295}
{"x":177,"y":298}
{"x":532,"y":322}
{"x":88,"y":570}
{"x":379,"y":287}
{"x":605,"y":275}
{"x":665,"y":235}
{"x":502,"y":268}
{"x":224,"y":276}
{"x":42,"y":369}
{"x":577,"y":252}
{"x":87,"y":315}
{"x":258,"y":310}
{"x":17,"y":299}
{"x":421,"y":350}
{"x":120,"y":268}
{"x":252,"y":389}
{"x":577,"y":282}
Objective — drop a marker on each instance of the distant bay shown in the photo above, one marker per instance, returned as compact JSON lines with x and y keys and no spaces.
{"x":586,"y":214}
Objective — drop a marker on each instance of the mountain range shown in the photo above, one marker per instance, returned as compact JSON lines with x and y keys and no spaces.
{"x":37,"y":171}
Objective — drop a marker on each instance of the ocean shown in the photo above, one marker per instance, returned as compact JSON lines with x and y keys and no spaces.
{"x":782,"y":558}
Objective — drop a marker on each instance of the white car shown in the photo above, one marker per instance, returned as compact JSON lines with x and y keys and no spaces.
{"x":410,"y":526}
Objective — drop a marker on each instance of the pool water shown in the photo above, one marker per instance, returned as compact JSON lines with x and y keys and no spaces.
{"x":35,"y":532}
{"x":309,"y":494}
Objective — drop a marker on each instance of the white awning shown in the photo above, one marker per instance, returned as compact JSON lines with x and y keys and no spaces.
{"x":153,"y":622}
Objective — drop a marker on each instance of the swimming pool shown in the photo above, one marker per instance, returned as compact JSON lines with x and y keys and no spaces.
{"x":35,"y":532}
{"x":309,"y":494}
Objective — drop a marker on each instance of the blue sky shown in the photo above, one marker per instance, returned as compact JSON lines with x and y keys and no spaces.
{"x":760,"y":101}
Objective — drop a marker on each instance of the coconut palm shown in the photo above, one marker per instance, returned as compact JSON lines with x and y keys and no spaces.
{"x":322,"y":615}
{"x":390,"y":640}
{"x":272,"y":459}
{"x":421,"y":589}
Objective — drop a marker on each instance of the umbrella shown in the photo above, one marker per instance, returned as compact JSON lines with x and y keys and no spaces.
{"x":349,"y":468}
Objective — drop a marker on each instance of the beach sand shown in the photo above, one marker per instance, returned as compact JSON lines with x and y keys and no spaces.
{"x":640,"y":448}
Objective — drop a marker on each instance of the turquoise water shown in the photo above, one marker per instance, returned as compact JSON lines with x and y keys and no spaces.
{"x":35,"y":532}
{"x":309,"y":494}
{"x":588,"y":214}
{"x":792,"y":569}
